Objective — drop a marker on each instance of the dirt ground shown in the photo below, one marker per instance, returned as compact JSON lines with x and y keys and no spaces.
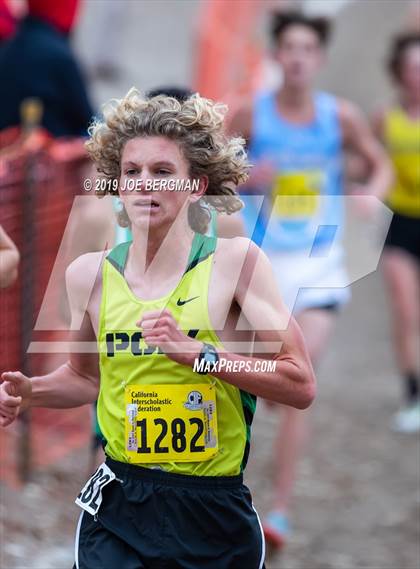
{"x":357,"y":495}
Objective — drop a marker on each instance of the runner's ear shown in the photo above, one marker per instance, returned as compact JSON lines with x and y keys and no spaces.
{"x":199,"y":216}
{"x":203,"y":184}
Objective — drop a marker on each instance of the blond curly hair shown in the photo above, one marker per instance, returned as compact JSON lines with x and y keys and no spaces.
{"x":196,"y":124}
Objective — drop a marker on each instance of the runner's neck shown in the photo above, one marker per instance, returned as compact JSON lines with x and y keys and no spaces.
{"x":296,"y":105}
{"x":160,"y":253}
{"x":410,"y":104}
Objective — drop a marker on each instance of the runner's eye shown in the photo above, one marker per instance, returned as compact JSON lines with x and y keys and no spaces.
{"x":131,"y":172}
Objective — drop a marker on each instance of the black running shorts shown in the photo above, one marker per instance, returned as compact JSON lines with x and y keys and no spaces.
{"x":153,"y":519}
{"x":404,"y":233}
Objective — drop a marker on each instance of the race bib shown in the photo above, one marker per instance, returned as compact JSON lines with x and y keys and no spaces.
{"x":90,"y":498}
{"x":165,"y":423}
{"x":296,"y":194}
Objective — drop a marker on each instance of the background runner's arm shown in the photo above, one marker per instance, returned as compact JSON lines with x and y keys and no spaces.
{"x":358,"y":136}
{"x":378,"y":125}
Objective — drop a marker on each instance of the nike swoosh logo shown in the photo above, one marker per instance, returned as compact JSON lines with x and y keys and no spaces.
{"x":182,"y":302}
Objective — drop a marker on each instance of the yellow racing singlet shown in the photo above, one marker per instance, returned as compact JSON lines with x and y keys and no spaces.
{"x":153,"y":411}
{"x":402,"y":138}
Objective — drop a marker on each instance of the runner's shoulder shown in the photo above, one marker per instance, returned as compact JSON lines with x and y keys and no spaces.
{"x":84,"y":271}
{"x":353,"y":121}
{"x":348,"y":111}
{"x":236,"y":250}
{"x":378,"y":120}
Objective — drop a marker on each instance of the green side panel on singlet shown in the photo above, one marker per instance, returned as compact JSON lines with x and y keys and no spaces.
{"x":249,"y":405}
{"x":118,"y":256}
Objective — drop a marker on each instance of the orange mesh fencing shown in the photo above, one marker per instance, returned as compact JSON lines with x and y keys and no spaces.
{"x":39,"y":178}
{"x":228,"y":57}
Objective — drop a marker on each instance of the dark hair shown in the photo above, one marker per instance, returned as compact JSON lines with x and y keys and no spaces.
{"x":181,"y":94}
{"x":280,"y":21}
{"x":398,"y":47}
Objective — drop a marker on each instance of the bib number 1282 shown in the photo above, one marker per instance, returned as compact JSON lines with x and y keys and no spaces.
{"x":174,"y":422}
{"x":173,"y":434}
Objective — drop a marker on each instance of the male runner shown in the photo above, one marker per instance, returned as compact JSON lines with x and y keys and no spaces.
{"x":398,"y":127}
{"x":296,"y":138}
{"x":170,"y":493}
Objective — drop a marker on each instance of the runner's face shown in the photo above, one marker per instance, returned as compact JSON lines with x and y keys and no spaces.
{"x":410,"y":70}
{"x":152,"y":160}
{"x":300,"y":55}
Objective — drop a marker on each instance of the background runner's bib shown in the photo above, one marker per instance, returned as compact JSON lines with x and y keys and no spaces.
{"x":296,"y":194}
{"x":220,"y":421}
{"x":402,"y":138}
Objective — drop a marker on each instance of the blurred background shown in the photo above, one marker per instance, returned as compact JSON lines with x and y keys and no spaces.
{"x":357,"y":498}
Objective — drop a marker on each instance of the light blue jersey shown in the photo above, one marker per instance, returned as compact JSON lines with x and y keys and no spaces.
{"x":303,"y":209}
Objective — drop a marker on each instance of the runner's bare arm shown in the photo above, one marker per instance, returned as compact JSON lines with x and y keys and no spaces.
{"x":378,"y":124}
{"x":358,"y":136}
{"x":76,"y":382}
{"x":9,"y":260}
{"x":293,"y":381}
